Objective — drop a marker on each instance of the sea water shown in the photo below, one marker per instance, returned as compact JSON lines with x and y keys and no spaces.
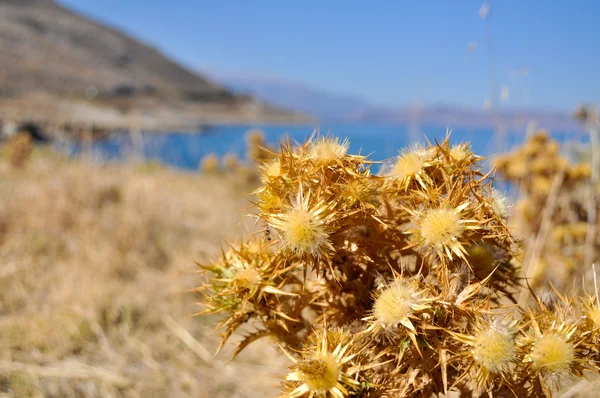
{"x":379,"y":141}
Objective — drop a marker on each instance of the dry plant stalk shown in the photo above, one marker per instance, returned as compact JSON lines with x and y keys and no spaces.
{"x":394,"y":284}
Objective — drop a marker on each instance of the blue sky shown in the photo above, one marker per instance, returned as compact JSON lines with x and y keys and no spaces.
{"x":389,"y":52}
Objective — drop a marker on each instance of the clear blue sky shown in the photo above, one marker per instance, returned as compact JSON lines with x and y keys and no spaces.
{"x":390,"y":52}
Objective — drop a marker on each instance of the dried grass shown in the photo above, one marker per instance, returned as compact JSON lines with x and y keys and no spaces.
{"x":94,"y":265}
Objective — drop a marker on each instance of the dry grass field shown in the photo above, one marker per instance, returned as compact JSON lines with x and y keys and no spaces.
{"x":96,"y":282}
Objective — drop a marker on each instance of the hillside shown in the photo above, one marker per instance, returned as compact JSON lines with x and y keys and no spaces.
{"x":301,"y":97}
{"x":49,"y":53}
{"x":344,"y":108}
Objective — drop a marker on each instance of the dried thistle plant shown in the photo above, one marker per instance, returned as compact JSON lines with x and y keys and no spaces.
{"x":209,"y":164}
{"x":396,"y":284}
{"x":257,"y":149}
{"x":555,"y":246}
{"x":231,"y":162}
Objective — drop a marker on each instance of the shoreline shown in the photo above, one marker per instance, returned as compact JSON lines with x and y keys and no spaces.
{"x":60,"y":117}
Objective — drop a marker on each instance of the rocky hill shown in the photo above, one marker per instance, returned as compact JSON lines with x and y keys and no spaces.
{"x":49,"y":54}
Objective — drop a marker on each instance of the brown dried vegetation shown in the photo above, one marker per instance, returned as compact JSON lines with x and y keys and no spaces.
{"x":95,"y":274}
{"x":397,"y":284}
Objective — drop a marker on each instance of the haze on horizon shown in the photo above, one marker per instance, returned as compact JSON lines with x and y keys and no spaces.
{"x":389,"y":53}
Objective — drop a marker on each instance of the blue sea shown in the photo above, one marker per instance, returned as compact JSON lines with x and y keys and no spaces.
{"x":379,"y":141}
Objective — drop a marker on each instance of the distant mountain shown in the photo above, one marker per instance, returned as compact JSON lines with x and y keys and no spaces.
{"x":332,"y":107}
{"x":510,"y":119}
{"x":49,"y":52}
{"x":297,"y":96}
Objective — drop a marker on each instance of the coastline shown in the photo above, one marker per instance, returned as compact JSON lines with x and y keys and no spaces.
{"x":77,"y":118}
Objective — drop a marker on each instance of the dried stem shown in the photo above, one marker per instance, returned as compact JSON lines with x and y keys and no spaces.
{"x":187,"y":339}
{"x":590,"y":238}
{"x":535,"y":254}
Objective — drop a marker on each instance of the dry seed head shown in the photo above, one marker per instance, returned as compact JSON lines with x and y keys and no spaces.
{"x":320,"y":374}
{"x":517,"y":168}
{"x":552,"y":148}
{"x":460,"y":152}
{"x":494,"y":348}
{"x":540,"y":136}
{"x":552,"y":353}
{"x":394,"y":304}
{"x":247,"y":277}
{"x":303,"y":231}
{"x":441,"y":228}
{"x":210,"y":163}
{"x":321,"y":371}
{"x":255,"y":137}
{"x":231,"y":161}
{"x":273,"y":169}
{"x":500,"y":204}
{"x":541,"y":186}
{"x":408,"y":165}
{"x":579,"y":171}
{"x":303,"y":228}
{"x":542,"y":165}
{"x":327,"y":150}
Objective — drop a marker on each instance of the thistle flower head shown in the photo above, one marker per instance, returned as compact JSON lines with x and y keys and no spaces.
{"x":255,"y":136}
{"x":231,"y":161}
{"x":210,"y":163}
{"x":552,"y":353}
{"x":323,"y":372}
{"x":248,"y":277}
{"x":246,"y":269}
{"x":500,"y":204}
{"x":440,"y":229}
{"x":492,"y":350}
{"x":396,"y":303}
{"x":328,"y":149}
{"x":461,"y":152}
{"x":303,"y":227}
{"x":551,"y":346}
{"x":271,"y":170}
{"x":302,"y":230}
{"x":319,"y":374}
{"x":409,"y":166}
{"x":494,"y":347}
